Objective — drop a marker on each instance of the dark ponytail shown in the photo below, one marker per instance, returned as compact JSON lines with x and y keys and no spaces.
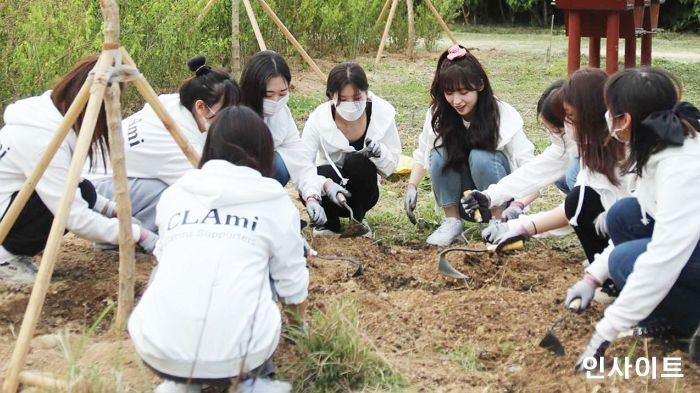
{"x":209,"y":85}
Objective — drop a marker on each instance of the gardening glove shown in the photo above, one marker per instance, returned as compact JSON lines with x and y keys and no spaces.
{"x":514,"y":210}
{"x":372,"y":149}
{"x":592,"y":354}
{"x":409,"y":202}
{"x":316,"y":213}
{"x":584,"y":290}
{"x":332,"y":189}
{"x":147,"y":240}
{"x":498,"y":231}
{"x":601,"y":225}
{"x":477,"y":200}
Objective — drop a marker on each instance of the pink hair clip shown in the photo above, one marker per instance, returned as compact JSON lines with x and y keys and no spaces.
{"x":456,"y":52}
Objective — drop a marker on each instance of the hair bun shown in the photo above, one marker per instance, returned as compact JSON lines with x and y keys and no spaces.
{"x":198,"y":65}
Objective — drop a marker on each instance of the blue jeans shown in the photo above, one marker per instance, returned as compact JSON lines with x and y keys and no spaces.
{"x":567,"y":182}
{"x":485,"y":168}
{"x":281,"y":174}
{"x":680,"y":306}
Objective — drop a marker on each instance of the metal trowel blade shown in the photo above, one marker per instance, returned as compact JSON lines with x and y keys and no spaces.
{"x":551,"y":343}
{"x":445,"y":268}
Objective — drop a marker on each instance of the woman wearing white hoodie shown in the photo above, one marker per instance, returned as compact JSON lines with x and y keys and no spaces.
{"x":229,"y":236}
{"x":656,"y":236}
{"x":30,"y":124}
{"x":354,"y":141}
{"x":470,"y":140}
{"x":265,"y":86}
{"x":153,"y":159}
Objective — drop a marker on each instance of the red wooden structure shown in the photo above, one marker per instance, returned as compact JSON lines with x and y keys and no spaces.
{"x":613,"y":19}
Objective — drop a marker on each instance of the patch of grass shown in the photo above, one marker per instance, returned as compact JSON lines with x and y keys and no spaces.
{"x":466,"y":356}
{"x":335,"y":357}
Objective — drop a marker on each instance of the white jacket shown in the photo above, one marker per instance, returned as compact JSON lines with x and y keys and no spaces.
{"x":220,"y":244}
{"x":29,"y":126}
{"x":542,"y":171}
{"x":668,"y":191}
{"x":324,"y":140}
{"x":150,"y":151}
{"x":512,"y":141}
{"x":288,"y":144}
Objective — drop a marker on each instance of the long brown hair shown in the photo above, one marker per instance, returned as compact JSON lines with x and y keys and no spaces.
{"x":584,"y":92}
{"x":63,"y":95}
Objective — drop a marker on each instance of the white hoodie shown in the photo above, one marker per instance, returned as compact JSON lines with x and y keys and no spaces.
{"x":668,"y":191}
{"x":220,"y":243}
{"x":285,"y":136}
{"x":323,"y":139}
{"x":29,"y":126}
{"x":512,"y":141}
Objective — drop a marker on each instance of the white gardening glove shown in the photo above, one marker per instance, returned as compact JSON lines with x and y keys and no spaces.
{"x":371,"y":149}
{"x":584,"y":290}
{"x":592,"y":354}
{"x":147,"y":240}
{"x":499,"y":231}
{"x":514,"y":210}
{"x":332,"y":189}
{"x":409,"y":202}
{"x":601,"y":225}
{"x":316,"y":213}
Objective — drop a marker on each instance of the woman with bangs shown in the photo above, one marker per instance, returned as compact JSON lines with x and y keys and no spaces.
{"x":470,"y":140}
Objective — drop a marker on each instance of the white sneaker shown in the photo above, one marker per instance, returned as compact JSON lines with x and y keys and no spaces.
{"x":18,"y":269}
{"x":264,"y":385}
{"x":176,"y":387}
{"x":449,"y":230}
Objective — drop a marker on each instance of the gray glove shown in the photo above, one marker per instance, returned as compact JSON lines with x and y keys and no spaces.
{"x":584,"y":290}
{"x":501,"y":231}
{"x":371,"y":149}
{"x":147,"y":240}
{"x":592,"y":354}
{"x":409,"y":202}
{"x":332,"y":190}
{"x":316,"y":213}
{"x":514,"y":210}
{"x":601,"y":225}
{"x":495,"y":230}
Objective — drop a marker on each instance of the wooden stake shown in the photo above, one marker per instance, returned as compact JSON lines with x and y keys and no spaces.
{"x":28,"y":188}
{"x":394,"y":3}
{"x":382,"y":14}
{"x":235,"y":38}
{"x":291,"y":38}
{"x":254,"y":23}
{"x":410,"y":50}
{"x":442,"y":23}
{"x":53,"y":244}
{"x":205,"y":12}
{"x":43,"y":381}
{"x":151,"y":97}
{"x":121,"y":192}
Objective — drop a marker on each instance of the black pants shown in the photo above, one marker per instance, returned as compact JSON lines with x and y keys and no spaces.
{"x":30,"y":232}
{"x":591,"y":242}
{"x":362,"y":184}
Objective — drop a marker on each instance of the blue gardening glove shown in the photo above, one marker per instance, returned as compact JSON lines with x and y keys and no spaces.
{"x":332,"y":189}
{"x":316,"y":213}
{"x":409,"y":202}
{"x":594,"y":351}
{"x":514,"y":210}
{"x":584,"y":290}
{"x":147,"y":240}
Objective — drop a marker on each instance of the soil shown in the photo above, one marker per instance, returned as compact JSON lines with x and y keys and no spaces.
{"x":418,"y":319}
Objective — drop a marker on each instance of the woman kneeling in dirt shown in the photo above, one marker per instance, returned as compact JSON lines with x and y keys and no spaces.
{"x":153,"y":159}
{"x":470,"y":140}
{"x":229,"y":239}
{"x":656,"y":255}
{"x":30,"y":124}
{"x":354,"y":140}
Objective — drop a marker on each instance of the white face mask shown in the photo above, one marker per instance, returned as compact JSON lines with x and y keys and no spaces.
{"x":271,"y":107}
{"x":570,"y":131}
{"x":351,"y":110}
{"x":613,"y":131}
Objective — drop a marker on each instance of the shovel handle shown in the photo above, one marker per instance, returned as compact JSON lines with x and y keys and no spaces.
{"x":341,"y":198}
{"x":574,"y":305}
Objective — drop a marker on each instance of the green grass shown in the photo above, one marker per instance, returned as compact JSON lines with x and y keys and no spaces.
{"x":466,"y":356}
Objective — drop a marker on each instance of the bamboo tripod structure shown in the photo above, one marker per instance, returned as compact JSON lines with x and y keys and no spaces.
{"x":258,"y":34}
{"x":114,"y":65}
{"x":411,"y":30}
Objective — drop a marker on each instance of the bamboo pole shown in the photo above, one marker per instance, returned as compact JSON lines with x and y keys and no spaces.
{"x":53,"y":244}
{"x":151,"y":97}
{"x":121,"y":192}
{"x":43,"y":381}
{"x":389,"y":20}
{"x":291,"y":39}
{"x":382,"y":14}
{"x":235,"y":38}
{"x":30,"y":184}
{"x":254,"y":23}
{"x":442,"y":23}
{"x":410,"y":50}
{"x":205,"y":12}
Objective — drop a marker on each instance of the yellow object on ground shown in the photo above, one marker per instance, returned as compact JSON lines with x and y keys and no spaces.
{"x":404,"y":166}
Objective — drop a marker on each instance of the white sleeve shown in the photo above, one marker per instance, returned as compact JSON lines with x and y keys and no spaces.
{"x":288,"y":265}
{"x":521,"y":149}
{"x":528,"y":179}
{"x":390,"y":146}
{"x":421,"y":154}
{"x":676,"y":235}
{"x":301,"y":167}
{"x":599,"y":267}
